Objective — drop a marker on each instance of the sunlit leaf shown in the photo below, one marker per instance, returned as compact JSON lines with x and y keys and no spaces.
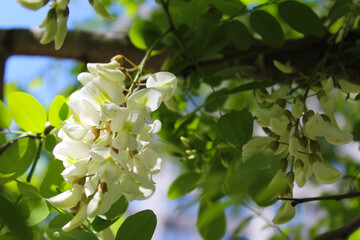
{"x":27,"y":112}
{"x":18,"y":157}
{"x":267,"y":27}
{"x":59,"y":111}
{"x":143,"y":34}
{"x":53,"y":181}
{"x":141,"y":225}
{"x":38,"y":209}
{"x":5,"y":116}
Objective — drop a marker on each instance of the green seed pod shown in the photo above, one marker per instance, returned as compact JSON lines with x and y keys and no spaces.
{"x":62,"y":4}
{"x":286,"y":211}
{"x":33,"y":4}
{"x":61,"y":30}
{"x":51,"y":27}
{"x":100,"y":9}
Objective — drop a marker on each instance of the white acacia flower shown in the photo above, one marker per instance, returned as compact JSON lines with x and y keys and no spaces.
{"x":77,"y":220}
{"x":83,"y":111}
{"x":324,"y":172}
{"x":147,"y":100}
{"x":315,"y":126}
{"x":164,"y":82}
{"x":335,"y":136}
{"x":266,"y":114}
{"x":69,"y":198}
{"x":75,"y":171}
{"x":71,"y":151}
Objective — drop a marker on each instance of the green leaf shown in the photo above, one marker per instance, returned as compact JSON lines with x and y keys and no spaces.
{"x":99,"y":224}
{"x":356,"y":131}
{"x":53,"y":181}
{"x":27,"y":112}
{"x":14,"y":219}
{"x":143,"y":34}
{"x":268,"y":28}
{"x":28,"y":190}
{"x":18,"y":157}
{"x":229,"y":7}
{"x":59,"y":111}
{"x":238,"y":35}
{"x":236,"y":127}
{"x":284,"y":68}
{"x":50,"y":142}
{"x":301,"y":18}
{"x":5,"y":116}
{"x":183,"y":184}
{"x":138,"y":226}
{"x":339,"y":9}
{"x":117,"y":209}
{"x":112,"y":215}
{"x":55,"y":232}
{"x":211,"y":220}
{"x":38,"y":209}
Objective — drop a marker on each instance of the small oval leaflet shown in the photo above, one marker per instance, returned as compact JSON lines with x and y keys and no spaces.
{"x":301,"y":18}
{"x":268,"y":28}
{"x":27,"y":112}
{"x":141,"y":225}
{"x":235,"y":127}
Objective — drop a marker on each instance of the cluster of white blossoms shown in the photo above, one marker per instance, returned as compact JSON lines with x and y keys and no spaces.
{"x":106,"y":144}
{"x":293,"y":131}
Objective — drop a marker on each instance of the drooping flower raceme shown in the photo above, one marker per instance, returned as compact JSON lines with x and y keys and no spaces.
{"x":106,"y":144}
{"x":294,"y":135}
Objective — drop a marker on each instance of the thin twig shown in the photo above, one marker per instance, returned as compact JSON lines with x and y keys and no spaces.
{"x":343,"y":232}
{"x":32,"y":170}
{"x":296,"y":201}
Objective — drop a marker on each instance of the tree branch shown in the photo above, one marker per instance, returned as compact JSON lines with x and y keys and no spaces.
{"x":343,"y":232}
{"x":80,"y":45}
{"x":296,"y":201}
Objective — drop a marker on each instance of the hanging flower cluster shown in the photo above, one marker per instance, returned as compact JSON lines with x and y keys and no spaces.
{"x":106,"y":144}
{"x":293,"y":129}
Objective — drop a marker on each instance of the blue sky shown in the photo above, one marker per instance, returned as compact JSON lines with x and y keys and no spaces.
{"x":54,"y":72}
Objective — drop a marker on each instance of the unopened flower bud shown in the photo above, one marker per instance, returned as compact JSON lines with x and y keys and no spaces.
{"x":280,"y":93}
{"x":100,"y":9}
{"x":61,"y":31}
{"x":297,"y":109}
{"x":77,"y":220}
{"x":294,"y":144}
{"x":118,"y":58}
{"x":288,"y":114}
{"x":349,"y":87}
{"x":315,"y":146}
{"x":265,"y":114}
{"x":33,"y":4}
{"x":281,"y":102}
{"x":327,"y":104}
{"x":324,"y":172}
{"x":286,"y":211}
{"x":303,"y":142}
{"x":300,"y":175}
{"x":327,"y":84}
{"x":51,"y":27}
{"x":279,"y":125}
{"x":185,"y":141}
